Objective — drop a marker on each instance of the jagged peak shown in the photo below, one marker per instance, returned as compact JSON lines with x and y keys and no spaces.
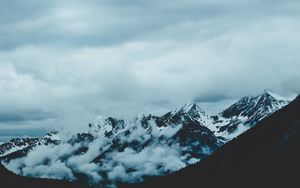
{"x":142,"y":118}
{"x":267,"y":99}
{"x":189,"y":108}
{"x":105,"y":124}
{"x":269,"y":93}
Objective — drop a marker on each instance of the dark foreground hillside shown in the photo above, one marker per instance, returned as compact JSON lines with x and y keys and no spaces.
{"x":265,"y":156}
{"x":10,"y":180}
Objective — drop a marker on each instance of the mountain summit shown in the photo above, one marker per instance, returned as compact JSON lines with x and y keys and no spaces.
{"x":245,"y":113}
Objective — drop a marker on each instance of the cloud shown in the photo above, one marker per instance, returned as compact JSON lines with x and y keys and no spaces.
{"x":45,"y":162}
{"x":62,"y":63}
{"x":131,"y":164}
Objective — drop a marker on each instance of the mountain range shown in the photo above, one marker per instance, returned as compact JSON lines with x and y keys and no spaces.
{"x":264,"y":156}
{"x":111,"y":151}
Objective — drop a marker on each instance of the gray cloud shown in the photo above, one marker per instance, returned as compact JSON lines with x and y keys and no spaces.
{"x":22,"y":117}
{"x":105,"y":23}
{"x":63,"y":62}
{"x":6,"y":134}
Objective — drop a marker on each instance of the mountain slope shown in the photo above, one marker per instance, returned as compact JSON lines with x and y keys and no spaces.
{"x":26,"y":144}
{"x":16,"y":144}
{"x":265,"y":156}
{"x":11,"y":180}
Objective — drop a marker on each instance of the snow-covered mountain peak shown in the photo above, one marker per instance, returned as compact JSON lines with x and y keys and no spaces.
{"x":249,"y":106}
{"x":275,"y":96}
{"x":105,"y":125}
{"x":270,"y":101}
{"x":191,"y":109}
{"x":245,"y":113}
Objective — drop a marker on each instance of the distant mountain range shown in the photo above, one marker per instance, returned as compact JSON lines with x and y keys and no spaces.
{"x":112,"y":151}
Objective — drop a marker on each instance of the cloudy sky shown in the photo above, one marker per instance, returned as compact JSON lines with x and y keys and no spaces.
{"x":64,"y":62}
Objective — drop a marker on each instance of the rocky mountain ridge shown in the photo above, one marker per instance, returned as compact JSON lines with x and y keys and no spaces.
{"x":112,"y":150}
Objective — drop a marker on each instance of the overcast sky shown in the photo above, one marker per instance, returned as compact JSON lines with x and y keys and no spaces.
{"x":64,"y":62}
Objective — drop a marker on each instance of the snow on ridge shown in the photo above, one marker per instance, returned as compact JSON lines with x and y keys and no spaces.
{"x":13,"y":149}
{"x":276,"y":96}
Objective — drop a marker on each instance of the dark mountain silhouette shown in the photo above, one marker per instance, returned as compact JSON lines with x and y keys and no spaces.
{"x":267,"y":155}
{"x":10,"y":180}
